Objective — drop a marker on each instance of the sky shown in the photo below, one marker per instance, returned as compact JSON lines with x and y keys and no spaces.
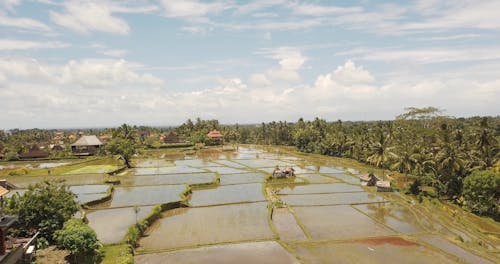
{"x":102,"y":63}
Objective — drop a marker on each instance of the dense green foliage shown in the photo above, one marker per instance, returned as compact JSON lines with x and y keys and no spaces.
{"x":124,"y":143}
{"x":79,"y":239}
{"x":482,"y":193}
{"x":44,"y":208}
{"x":440,"y":150}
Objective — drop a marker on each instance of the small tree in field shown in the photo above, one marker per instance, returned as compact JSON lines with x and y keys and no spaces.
{"x":44,"y":208}
{"x":79,"y":239}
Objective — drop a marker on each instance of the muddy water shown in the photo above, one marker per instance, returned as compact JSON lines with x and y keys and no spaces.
{"x":395,"y":216}
{"x":331,"y":199}
{"x":184,"y":178}
{"x":345,"y":178}
{"x":321,"y":188}
{"x":329,"y":170}
{"x":241,"y":178}
{"x":269,"y":252}
{"x":316,"y":178}
{"x":376,"y":250}
{"x":153,"y":163}
{"x":25,"y":181}
{"x":200,"y":226}
{"x":286,"y":225}
{"x":111,"y":225}
{"x":96,"y":188}
{"x":84,"y":193}
{"x":226,"y":170}
{"x":166,"y":170}
{"x":338,"y":222}
{"x":195,"y":163}
{"x":230,"y":163}
{"x":227,"y":194}
{"x":453,"y":249}
{"x":263,"y":163}
{"x":146,"y":195}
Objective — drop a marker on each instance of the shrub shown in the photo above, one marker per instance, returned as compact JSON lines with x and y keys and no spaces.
{"x":45,"y":207}
{"x":78,"y":238}
{"x":481,"y":193}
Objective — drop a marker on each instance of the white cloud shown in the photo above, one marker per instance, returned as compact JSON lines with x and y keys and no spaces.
{"x":89,"y":73}
{"x":114,"y":52}
{"x":321,"y":10}
{"x":14,"y":44}
{"x":290,"y":61}
{"x":192,"y":8}
{"x":23,"y":23}
{"x":10,"y":4}
{"x":85,"y":17}
{"x":110,"y":92}
{"x":425,"y":55}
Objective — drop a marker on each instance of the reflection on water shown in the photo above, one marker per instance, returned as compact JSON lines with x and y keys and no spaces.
{"x":207,"y":225}
{"x":146,"y":195}
{"x":251,"y":192}
{"x":111,"y":225}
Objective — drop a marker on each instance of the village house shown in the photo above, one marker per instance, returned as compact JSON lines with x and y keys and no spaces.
{"x":171,"y":138}
{"x":216,"y":137}
{"x":86,"y":146}
{"x":34,"y":152}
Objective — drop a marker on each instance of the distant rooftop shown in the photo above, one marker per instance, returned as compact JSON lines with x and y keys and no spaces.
{"x":88,"y":141}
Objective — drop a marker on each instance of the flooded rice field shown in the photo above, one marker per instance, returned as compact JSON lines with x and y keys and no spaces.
{"x":111,"y":225}
{"x":145,"y":195}
{"x":269,"y":252}
{"x":208,"y":225}
{"x":228,"y":194}
{"x":233,"y":212}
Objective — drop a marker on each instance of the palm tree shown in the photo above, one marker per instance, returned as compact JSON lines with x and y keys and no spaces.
{"x":381,"y":152}
{"x":450,"y":165}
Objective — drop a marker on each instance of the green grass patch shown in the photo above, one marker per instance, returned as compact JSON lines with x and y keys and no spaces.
{"x":117,"y":254}
{"x":93,"y":169}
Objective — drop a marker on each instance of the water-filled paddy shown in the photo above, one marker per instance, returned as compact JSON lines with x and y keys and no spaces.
{"x":345,"y":178}
{"x":184,"y":178}
{"x":195,"y":163}
{"x":329,"y":170}
{"x":200,"y":226}
{"x":338,"y":222}
{"x":269,"y":252}
{"x":153,"y":163}
{"x":395,"y":216}
{"x":286,"y":225}
{"x":241,"y":193}
{"x":321,"y":188}
{"x":375,"y":250}
{"x":146,"y":195}
{"x":226,"y":170}
{"x":241,"y":178}
{"x":453,"y":249}
{"x":166,"y":170}
{"x":25,"y":181}
{"x":316,"y":178}
{"x":263,"y":163}
{"x":111,"y":225}
{"x":331,"y":199}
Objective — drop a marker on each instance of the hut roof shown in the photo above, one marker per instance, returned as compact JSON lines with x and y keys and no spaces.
{"x":34,"y":152}
{"x":88,"y":141}
{"x":214,"y":134}
{"x":3,"y":191}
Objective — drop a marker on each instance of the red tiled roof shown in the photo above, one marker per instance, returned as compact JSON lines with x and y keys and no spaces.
{"x":214,"y":134}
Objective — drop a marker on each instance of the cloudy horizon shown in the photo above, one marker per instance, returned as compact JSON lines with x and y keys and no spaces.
{"x":102,"y":63}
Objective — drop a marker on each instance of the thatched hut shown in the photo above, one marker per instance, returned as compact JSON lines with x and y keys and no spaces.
{"x":86,"y":146}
